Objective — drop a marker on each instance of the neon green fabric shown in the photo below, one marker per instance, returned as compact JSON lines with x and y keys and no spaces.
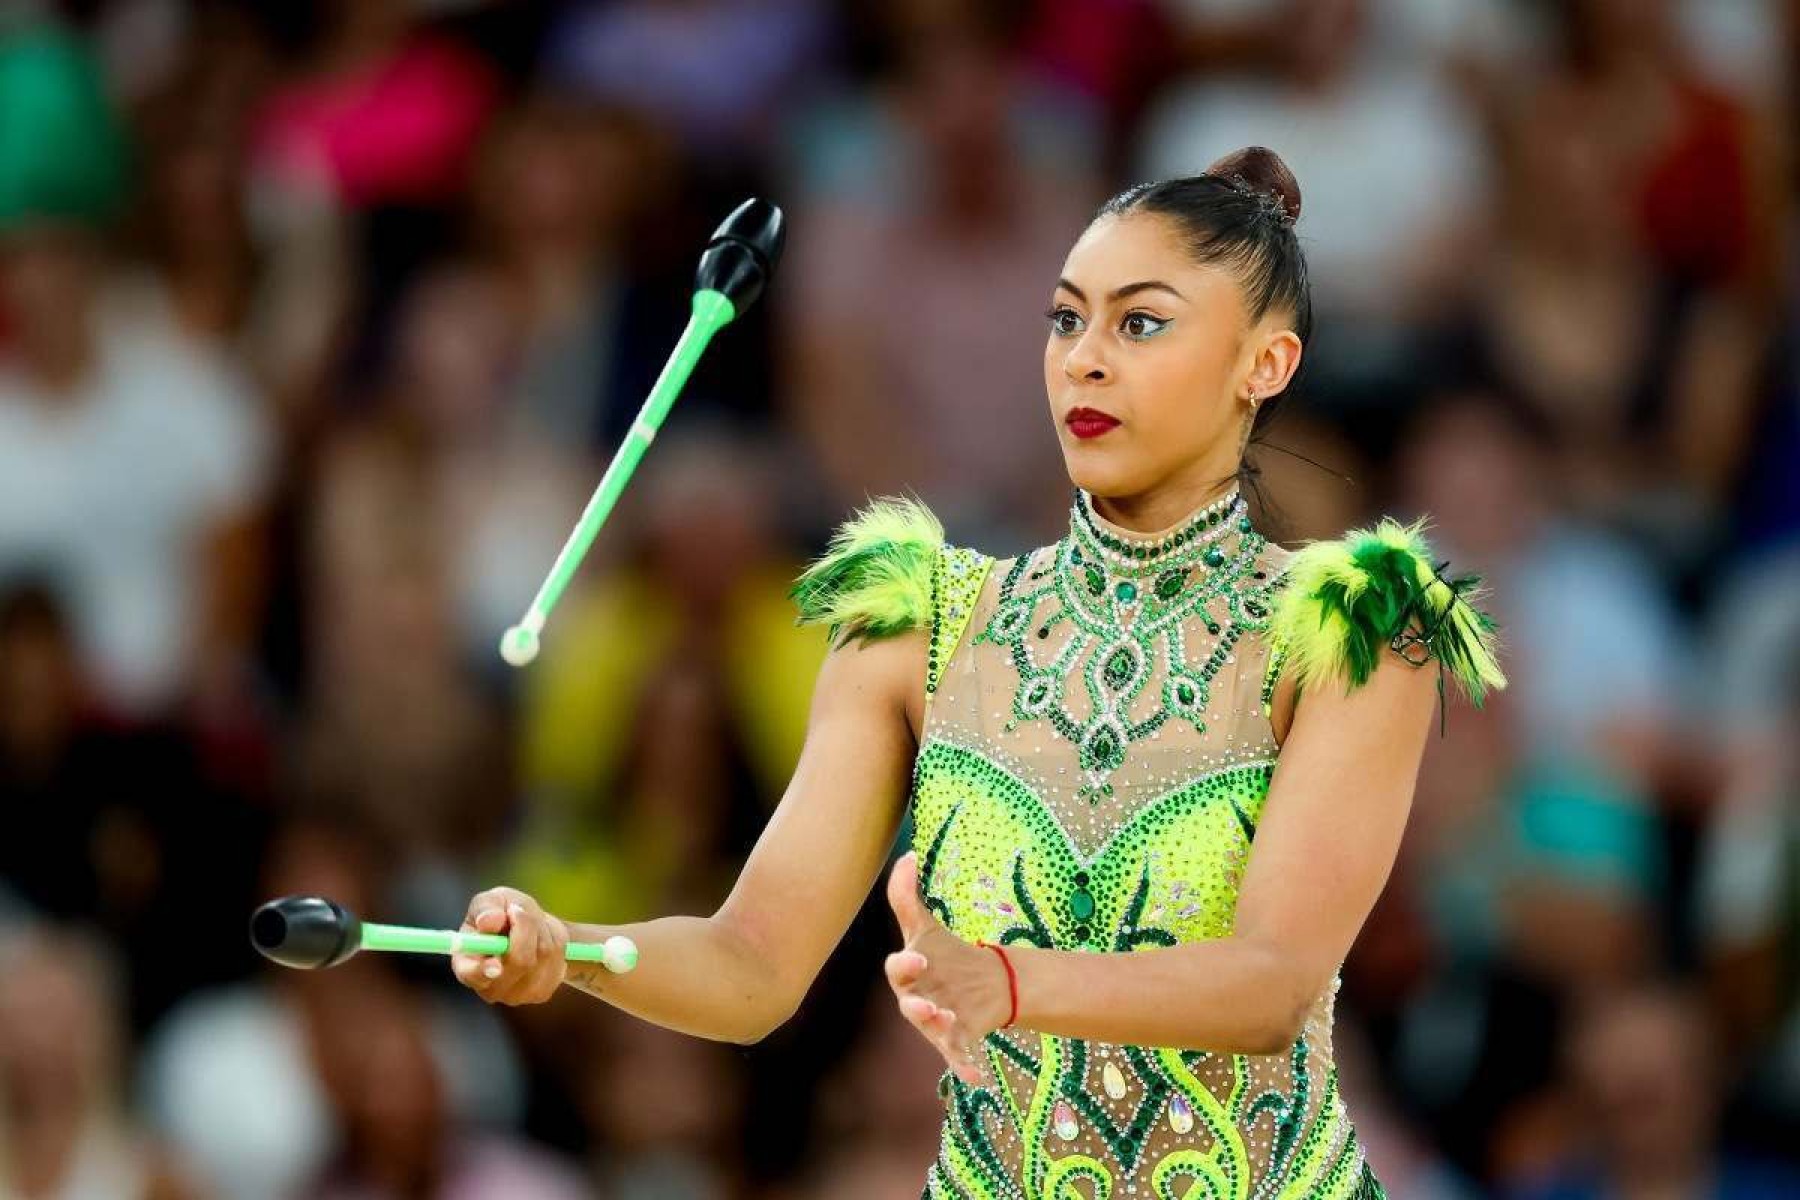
{"x":1096,"y":756}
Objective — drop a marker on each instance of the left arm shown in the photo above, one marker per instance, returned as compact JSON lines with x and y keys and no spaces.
{"x":1321,"y":856}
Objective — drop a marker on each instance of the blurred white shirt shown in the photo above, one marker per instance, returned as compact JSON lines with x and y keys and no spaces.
{"x":112,"y":491}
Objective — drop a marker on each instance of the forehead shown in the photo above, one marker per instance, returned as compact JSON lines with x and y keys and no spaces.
{"x":1117,"y":250}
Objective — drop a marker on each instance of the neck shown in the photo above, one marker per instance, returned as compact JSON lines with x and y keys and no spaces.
{"x":1150,"y":513}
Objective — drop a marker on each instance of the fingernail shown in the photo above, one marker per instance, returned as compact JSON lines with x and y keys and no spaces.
{"x":492,"y":970}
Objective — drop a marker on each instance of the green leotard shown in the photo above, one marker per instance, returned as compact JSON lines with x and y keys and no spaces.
{"x":1095,"y":758}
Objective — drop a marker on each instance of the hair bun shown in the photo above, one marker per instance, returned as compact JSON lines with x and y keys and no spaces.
{"x":1261,"y":170}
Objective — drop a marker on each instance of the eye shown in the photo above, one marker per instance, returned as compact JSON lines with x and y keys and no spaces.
{"x":1141,"y":326}
{"x":1061,"y":327}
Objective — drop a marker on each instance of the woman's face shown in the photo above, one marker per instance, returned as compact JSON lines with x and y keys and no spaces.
{"x":1161,"y":344}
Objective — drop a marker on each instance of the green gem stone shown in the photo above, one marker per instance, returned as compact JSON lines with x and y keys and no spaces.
{"x":1214,"y":556}
{"x":1096,"y":582}
{"x":1126,"y":591}
{"x":1185,"y":693}
{"x":1081,"y":903}
{"x":1118,"y":669}
{"x":1168,"y":584}
{"x":1106,"y":750}
{"x":1244,"y":524}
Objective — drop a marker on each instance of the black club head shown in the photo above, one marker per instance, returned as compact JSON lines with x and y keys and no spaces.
{"x":307,"y":932}
{"x":743,"y":252}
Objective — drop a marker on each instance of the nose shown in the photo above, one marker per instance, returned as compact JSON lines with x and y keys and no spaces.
{"x":1084,"y":362}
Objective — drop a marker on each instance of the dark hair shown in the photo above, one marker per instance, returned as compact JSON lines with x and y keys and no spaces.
{"x":1238,"y":213}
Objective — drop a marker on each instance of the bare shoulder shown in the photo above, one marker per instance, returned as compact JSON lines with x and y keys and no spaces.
{"x":885,"y":673}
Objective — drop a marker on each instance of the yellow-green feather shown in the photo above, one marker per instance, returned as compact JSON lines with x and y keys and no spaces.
{"x":1343,"y":599}
{"x":874,"y":578}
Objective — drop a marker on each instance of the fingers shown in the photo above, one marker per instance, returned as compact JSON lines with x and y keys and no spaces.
{"x":467,"y":969}
{"x":903,"y":896}
{"x":960,"y":1052}
{"x":487,"y":911}
{"x":905,"y":968}
{"x":522,"y":949}
{"x":534,"y":964}
{"x":941,"y":1028}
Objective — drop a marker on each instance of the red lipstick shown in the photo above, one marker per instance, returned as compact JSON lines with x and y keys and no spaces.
{"x":1089,"y":422}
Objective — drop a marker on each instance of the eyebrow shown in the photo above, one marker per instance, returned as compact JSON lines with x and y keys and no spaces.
{"x":1130,"y":289}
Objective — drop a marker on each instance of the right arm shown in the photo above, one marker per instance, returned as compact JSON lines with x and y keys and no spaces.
{"x":741,"y":973}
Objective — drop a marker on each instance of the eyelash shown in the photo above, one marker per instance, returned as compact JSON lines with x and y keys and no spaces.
{"x":1162,"y":322}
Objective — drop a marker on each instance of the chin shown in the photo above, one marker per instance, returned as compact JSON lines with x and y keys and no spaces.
{"x":1102,"y":472}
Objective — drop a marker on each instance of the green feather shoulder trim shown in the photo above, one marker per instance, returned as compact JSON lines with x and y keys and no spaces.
{"x":874,"y":579}
{"x":1346,"y":600}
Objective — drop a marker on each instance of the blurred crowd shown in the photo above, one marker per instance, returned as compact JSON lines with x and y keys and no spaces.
{"x":318,"y":321}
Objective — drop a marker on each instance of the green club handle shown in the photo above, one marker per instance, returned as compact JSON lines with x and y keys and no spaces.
{"x":618,"y":953}
{"x":712,"y":312}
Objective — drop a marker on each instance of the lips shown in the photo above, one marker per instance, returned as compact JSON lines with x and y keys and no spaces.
{"x":1089,"y":422}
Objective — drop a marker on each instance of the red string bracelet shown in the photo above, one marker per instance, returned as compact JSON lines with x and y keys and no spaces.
{"x":1012,"y":982}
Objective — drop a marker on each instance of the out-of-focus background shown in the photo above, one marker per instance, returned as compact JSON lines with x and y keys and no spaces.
{"x":319,"y":320}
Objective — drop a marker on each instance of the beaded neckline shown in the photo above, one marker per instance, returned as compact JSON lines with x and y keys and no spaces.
{"x":1100,"y":549}
{"x":1127,"y":601}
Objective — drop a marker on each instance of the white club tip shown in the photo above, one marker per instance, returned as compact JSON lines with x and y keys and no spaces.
{"x":519,"y":646}
{"x":621,"y":954}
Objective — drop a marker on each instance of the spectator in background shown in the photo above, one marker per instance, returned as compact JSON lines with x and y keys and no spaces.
{"x":1396,"y":173}
{"x":1598,"y":652}
{"x":399,"y":1136}
{"x":131,"y":469}
{"x":195,"y":267}
{"x":1534,"y":863}
{"x":447,"y":459}
{"x":936,"y":213}
{"x":878,"y":1114}
{"x":1627,"y":296}
{"x":65,"y":1133}
{"x":1643,"y":1107}
{"x":1411,"y":1165}
{"x":1746,"y":904}
{"x":113,"y":812}
{"x":381,"y":113}
{"x":720,"y":73}
{"x":664,"y":1114}
{"x":561,"y":189}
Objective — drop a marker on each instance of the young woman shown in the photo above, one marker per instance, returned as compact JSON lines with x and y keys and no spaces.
{"x":1157,"y":771}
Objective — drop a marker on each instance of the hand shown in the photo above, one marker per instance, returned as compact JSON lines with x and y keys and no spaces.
{"x":534,"y":965}
{"x":952,"y":992}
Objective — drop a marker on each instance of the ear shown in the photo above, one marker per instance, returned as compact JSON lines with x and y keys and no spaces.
{"x":1277,"y":358}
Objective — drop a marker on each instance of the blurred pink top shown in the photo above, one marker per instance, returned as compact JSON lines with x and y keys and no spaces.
{"x":400,"y":130}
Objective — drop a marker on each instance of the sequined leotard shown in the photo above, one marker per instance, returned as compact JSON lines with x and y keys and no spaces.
{"x":1095,"y":758}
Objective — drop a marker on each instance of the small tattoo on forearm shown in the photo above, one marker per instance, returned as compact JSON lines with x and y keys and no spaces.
{"x":591,"y":978}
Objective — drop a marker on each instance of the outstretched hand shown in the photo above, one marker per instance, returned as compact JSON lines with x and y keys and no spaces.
{"x":953,"y":992}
